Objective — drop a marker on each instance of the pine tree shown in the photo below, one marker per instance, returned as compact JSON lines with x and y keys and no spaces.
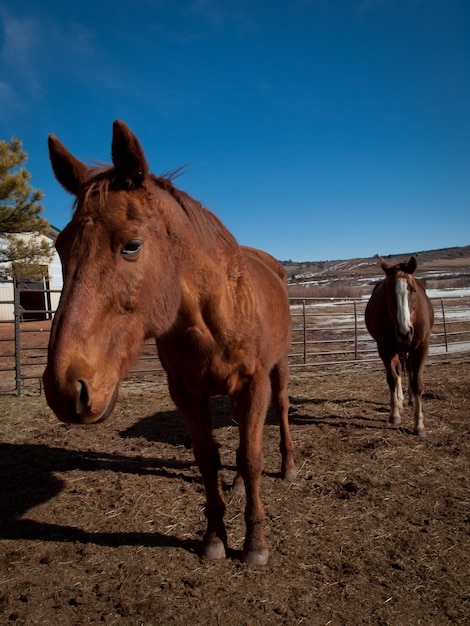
{"x":22,"y":251}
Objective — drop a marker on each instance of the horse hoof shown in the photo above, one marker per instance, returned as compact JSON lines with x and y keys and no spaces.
{"x":289,"y":475}
{"x":420,"y":432}
{"x":214,"y":551}
{"x":256,"y":557}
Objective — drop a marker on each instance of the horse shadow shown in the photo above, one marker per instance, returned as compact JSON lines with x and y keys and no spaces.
{"x":28,"y":474}
{"x":359,"y":421}
{"x":28,"y":478}
{"x":163,"y":426}
{"x":169,"y":427}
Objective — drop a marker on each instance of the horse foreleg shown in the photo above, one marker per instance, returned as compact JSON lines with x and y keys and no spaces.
{"x":409,"y":369}
{"x":280,"y":402}
{"x":393,"y":369}
{"x":416,"y":365}
{"x":250,"y":405}
{"x":197,"y":415}
{"x":399,"y":394}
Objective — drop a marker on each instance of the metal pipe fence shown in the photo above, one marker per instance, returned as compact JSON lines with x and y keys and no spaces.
{"x":332,"y":331}
{"x":327,"y":332}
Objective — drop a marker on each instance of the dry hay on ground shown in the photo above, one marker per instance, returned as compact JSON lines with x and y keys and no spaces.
{"x":103,"y":524}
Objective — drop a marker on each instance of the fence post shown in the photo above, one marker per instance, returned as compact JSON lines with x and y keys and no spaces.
{"x":355,"y":331}
{"x":444,"y":322}
{"x":17,"y":316}
{"x":305,"y":331}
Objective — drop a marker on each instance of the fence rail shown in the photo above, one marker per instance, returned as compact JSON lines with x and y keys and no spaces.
{"x":332,"y":331}
{"x":326,"y":332}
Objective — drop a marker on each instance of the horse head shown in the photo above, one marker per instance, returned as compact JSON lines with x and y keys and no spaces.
{"x":401,"y":289}
{"x":118,"y":287}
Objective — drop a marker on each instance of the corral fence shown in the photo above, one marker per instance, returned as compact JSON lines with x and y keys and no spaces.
{"x":327,"y":332}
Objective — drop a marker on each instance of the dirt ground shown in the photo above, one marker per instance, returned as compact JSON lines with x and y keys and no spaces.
{"x":103,"y":524}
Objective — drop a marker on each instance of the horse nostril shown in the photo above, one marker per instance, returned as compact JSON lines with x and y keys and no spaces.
{"x":82,"y":396}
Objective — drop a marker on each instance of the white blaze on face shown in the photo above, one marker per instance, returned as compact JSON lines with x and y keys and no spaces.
{"x":403,"y":310}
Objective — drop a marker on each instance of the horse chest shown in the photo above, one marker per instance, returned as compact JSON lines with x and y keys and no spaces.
{"x":204,"y":365}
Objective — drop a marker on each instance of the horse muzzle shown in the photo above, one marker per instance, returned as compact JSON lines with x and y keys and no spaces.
{"x":74,"y":403}
{"x":405,"y":337}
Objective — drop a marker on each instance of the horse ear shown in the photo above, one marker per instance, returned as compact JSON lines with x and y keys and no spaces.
{"x":387,"y":268}
{"x":127,"y":154}
{"x":412,"y":265}
{"x":383,"y":264}
{"x":69,"y":171}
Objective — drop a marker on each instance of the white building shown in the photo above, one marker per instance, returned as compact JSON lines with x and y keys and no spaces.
{"x":37,"y":298}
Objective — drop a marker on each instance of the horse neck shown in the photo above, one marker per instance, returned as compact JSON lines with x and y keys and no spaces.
{"x":206,"y":261}
{"x":204,"y":246}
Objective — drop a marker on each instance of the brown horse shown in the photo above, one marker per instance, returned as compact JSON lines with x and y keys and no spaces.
{"x":399,"y":316}
{"x":143,"y":259}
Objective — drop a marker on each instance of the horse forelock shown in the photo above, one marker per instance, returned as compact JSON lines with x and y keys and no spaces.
{"x":98,"y":182}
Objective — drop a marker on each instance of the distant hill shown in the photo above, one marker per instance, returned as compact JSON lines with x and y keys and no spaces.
{"x":447,"y":267}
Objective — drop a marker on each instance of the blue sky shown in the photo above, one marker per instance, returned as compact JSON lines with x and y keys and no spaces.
{"x":315,"y":129}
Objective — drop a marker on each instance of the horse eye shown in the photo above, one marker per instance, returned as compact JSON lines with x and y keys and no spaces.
{"x":131,"y":248}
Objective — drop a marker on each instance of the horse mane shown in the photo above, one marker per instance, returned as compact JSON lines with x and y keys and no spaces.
{"x":206,"y":224}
